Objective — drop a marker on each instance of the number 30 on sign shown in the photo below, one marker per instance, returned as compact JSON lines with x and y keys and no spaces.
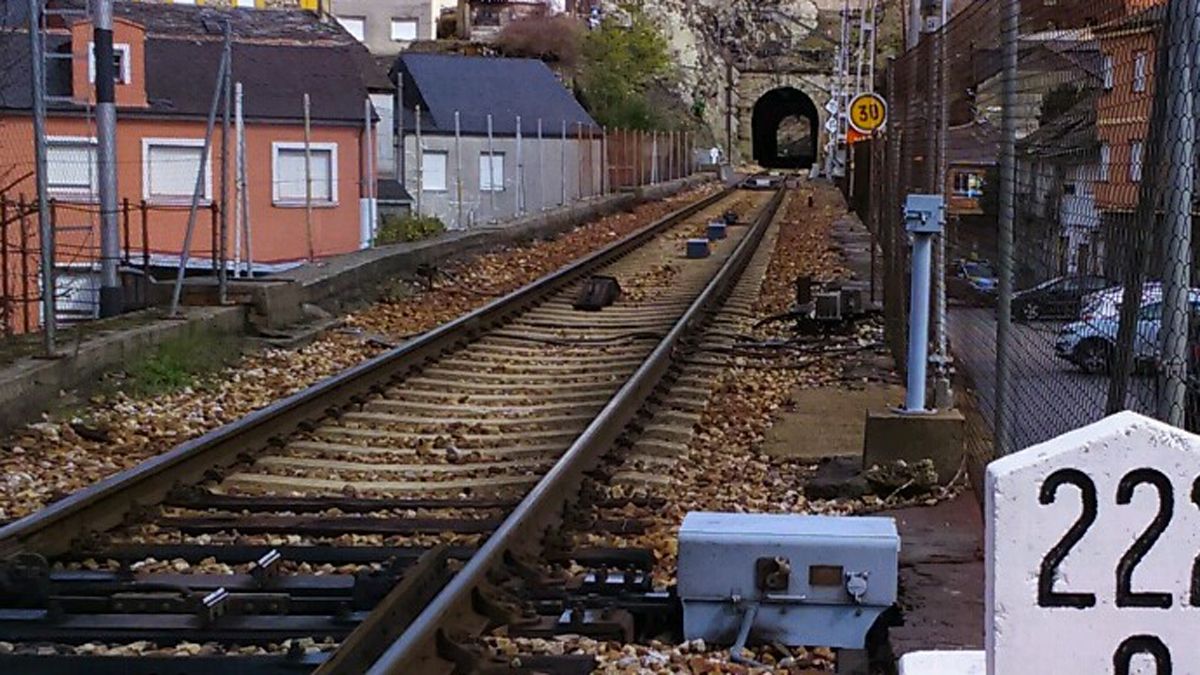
{"x":868,"y":112}
{"x":1094,"y":553}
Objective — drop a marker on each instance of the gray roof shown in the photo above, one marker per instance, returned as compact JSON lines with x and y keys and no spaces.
{"x":278,"y":56}
{"x":476,"y":86}
{"x":976,"y":143}
{"x":1069,"y":136}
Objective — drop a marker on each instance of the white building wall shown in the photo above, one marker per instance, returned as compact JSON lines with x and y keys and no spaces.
{"x":547,"y":170}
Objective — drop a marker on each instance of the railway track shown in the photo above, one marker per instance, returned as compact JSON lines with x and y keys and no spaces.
{"x":352,"y":526}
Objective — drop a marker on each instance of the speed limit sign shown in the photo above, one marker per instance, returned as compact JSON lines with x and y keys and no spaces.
{"x":868,"y":112}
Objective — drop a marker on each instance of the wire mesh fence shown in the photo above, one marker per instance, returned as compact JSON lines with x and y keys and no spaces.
{"x":1062,"y":136}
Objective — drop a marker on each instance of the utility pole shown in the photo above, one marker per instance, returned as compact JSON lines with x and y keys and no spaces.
{"x":1180,"y":187}
{"x":914,"y":23}
{"x":111,"y":301}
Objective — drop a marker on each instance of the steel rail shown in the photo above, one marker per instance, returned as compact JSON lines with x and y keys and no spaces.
{"x":415,"y":649}
{"x":54,"y":529}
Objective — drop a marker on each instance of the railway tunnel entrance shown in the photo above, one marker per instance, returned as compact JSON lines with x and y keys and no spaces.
{"x":785,"y":127}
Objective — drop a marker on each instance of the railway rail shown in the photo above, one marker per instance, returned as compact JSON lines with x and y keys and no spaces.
{"x":351,"y":527}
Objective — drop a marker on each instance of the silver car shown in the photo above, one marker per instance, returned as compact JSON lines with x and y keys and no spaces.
{"x":1090,"y":342}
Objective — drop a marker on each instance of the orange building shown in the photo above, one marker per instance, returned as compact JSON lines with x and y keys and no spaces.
{"x":167,"y":63}
{"x":1123,"y":110}
{"x":1129,"y":46}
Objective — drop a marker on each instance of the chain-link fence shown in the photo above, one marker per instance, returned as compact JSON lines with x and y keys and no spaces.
{"x":1063,"y":138}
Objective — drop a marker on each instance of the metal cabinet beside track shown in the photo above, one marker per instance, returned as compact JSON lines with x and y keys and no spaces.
{"x":796,"y":580}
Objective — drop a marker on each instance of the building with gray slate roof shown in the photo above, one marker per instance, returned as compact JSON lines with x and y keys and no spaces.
{"x":464,"y":176}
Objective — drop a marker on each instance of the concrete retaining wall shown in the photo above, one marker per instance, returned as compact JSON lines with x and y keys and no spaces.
{"x":30,"y":386}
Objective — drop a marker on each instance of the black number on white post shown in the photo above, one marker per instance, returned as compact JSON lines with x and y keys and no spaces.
{"x":1196,"y":565}
{"x":1142,"y":644}
{"x":1126,"y":596}
{"x":1047,"y":596}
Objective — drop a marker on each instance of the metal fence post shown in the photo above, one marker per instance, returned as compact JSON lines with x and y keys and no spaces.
{"x":458,"y":183}
{"x":562,"y":172}
{"x":23,"y":214}
{"x":520,"y":171}
{"x":420,"y":163}
{"x":5,"y":292}
{"x":37,"y":54}
{"x":1180,"y":183}
{"x":1010,"y":37}
{"x":605,"y":179}
{"x":541,"y":143}
{"x":198,"y":189}
{"x":491,"y":168}
{"x":308,"y":225}
{"x":579,"y":158}
{"x":146,"y":242}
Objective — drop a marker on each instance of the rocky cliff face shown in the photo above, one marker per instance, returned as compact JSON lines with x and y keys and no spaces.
{"x":705,"y":35}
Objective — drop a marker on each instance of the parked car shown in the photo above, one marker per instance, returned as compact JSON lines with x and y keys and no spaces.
{"x":1058,"y":298}
{"x":1108,"y":301}
{"x":1192,"y":403}
{"x":973,"y":282}
{"x":1090,"y":343}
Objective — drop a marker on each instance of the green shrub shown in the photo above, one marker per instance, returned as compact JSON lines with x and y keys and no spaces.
{"x":398,"y":229}
{"x":176,"y":363}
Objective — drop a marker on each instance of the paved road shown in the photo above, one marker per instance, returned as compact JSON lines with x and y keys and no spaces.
{"x":1048,"y":396}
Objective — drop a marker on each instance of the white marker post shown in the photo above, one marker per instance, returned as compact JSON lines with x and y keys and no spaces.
{"x":1093,"y":556}
{"x":1093,"y":548}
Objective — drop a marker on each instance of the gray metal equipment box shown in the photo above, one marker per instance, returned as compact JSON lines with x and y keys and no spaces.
{"x":810,"y":580}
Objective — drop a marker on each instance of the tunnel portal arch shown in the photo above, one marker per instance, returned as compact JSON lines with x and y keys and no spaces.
{"x":785,"y":127}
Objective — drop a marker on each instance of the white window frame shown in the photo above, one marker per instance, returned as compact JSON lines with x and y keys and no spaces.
{"x":354,"y":17}
{"x":416,"y":32}
{"x":276,"y":146}
{"x":1109,"y":72}
{"x":1105,"y":159}
{"x":445,"y":155}
{"x":91,"y":193}
{"x":1141,"y":64}
{"x":247,"y":4}
{"x":1136,"y":148}
{"x":179,"y":143}
{"x":125,"y":76}
{"x":483,"y":172}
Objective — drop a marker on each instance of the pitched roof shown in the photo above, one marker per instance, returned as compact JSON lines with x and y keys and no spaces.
{"x":976,"y":143}
{"x":278,"y":56}
{"x":1073,"y":133}
{"x":476,"y":86}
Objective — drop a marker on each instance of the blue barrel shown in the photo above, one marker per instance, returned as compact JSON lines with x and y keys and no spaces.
{"x":697,"y":248}
{"x":716,"y":231}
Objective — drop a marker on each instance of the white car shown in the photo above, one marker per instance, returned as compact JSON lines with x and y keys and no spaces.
{"x":1090,"y":342}
{"x":1108,"y":301}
